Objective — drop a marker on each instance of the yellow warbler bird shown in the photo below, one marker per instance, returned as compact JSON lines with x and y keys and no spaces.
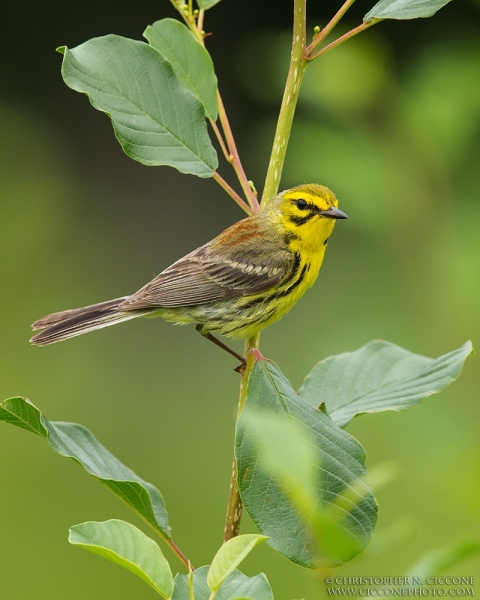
{"x":242,"y":281}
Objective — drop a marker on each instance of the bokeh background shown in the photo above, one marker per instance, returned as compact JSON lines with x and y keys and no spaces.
{"x":391,"y":122}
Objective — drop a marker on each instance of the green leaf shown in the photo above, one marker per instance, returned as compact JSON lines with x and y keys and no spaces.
{"x":339,"y":487}
{"x":190,"y":60}
{"x":404,"y":9}
{"x":77,"y":442}
{"x":124,"y":544}
{"x":156,"y":120}
{"x":437,"y":561}
{"x":379,"y":376}
{"x":236,"y":585}
{"x":230,"y":556}
{"x":206,"y":4}
{"x":287,"y":450}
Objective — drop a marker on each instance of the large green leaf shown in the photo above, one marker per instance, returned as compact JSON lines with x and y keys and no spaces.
{"x":379,"y":376}
{"x":340,"y":485}
{"x":124,"y":544}
{"x":229,"y":556}
{"x":236,"y":585}
{"x":206,"y":4}
{"x":288,"y":451}
{"x":404,"y":9}
{"x":190,"y":60}
{"x":156,"y":119}
{"x":77,"y":442}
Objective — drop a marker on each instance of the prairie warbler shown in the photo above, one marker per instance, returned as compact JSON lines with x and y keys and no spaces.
{"x":242,"y":281}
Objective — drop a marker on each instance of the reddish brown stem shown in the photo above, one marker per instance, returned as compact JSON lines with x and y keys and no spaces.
{"x":221,"y":141}
{"x":236,"y":163}
{"x":176,"y":550}
{"x":318,"y":39}
{"x":344,"y":38}
{"x":231,"y":192}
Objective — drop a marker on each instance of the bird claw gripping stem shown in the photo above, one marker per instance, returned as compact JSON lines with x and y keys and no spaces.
{"x":255,"y":352}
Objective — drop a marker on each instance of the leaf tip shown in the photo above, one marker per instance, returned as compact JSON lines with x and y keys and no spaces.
{"x":61,"y":49}
{"x":74,"y":535}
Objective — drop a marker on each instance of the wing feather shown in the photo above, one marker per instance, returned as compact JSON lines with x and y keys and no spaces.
{"x":242,"y":260}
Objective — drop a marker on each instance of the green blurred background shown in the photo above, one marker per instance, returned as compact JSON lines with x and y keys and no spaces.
{"x":391,"y":122}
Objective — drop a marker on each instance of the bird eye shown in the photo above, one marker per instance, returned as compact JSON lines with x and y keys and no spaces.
{"x":302,"y":204}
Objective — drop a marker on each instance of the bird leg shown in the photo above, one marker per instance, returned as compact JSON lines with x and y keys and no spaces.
{"x":241,"y":367}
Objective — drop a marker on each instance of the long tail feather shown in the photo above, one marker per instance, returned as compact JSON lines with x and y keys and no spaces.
{"x":69,"y":323}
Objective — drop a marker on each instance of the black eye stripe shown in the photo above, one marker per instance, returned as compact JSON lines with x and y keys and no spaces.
{"x":302,"y":220}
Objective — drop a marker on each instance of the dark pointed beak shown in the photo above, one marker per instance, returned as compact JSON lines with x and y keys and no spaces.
{"x":333,"y":213}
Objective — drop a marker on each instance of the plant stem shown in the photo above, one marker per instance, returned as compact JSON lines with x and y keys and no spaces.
{"x":176,"y":550}
{"x":187,"y":16}
{"x":171,"y":544}
{"x":235,"y":158}
{"x":318,"y":39}
{"x":221,"y":141}
{"x":191,"y":592}
{"x":298,"y":64}
{"x":234,"y":507}
{"x":201,"y":16}
{"x":344,"y":38}
{"x":292,"y":88}
{"x":231,"y":192}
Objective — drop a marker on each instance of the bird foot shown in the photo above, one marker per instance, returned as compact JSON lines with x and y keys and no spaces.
{"x":255,"y":352}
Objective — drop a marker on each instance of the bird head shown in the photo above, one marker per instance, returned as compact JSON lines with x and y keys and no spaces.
{"x":308,"y":213}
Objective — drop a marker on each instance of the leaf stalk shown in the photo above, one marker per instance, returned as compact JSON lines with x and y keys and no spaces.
{"x":176,"y":550}
{"x":236,"y":163}
{"x":221,"y":141}
{"x":344,"y":38}
{"x":318,"y":39}
{"x":232,"y":193}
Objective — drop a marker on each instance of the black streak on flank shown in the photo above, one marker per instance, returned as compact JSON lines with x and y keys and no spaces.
{"x":267,"y":315}
{"x":293,"y":271}
{"x":296,"y":283}
{"x":275,"y":295}
{"x":326,"y":241}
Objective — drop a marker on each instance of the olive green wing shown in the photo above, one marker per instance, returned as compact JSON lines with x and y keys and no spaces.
{"x":230,"y":266}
